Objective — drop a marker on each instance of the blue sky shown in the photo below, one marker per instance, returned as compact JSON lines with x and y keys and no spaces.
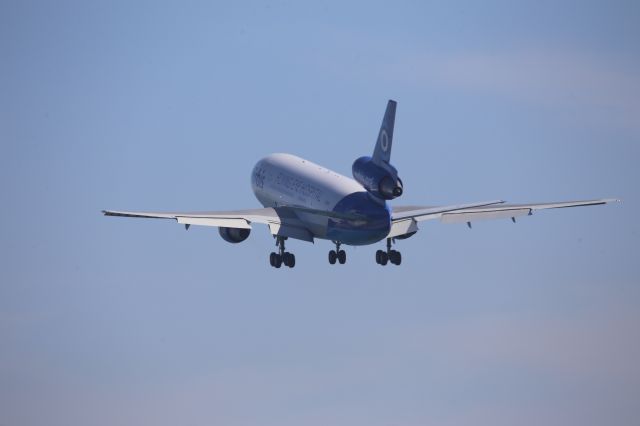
{"x":168,"y":105}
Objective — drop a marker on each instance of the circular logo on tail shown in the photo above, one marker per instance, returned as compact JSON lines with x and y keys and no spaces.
{"x":384,"y":140}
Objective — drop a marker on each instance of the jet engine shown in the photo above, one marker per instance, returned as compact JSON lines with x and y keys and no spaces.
{"x":234,"y":235}
{"x":379,"y":179}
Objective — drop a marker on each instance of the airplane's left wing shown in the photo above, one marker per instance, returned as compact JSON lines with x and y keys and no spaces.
{"x":281,"y":221}
{"x":404,"y":219}
{"x":227,"y":219}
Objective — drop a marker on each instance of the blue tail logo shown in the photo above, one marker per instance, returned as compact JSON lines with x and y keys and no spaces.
{"x":382,"y":151}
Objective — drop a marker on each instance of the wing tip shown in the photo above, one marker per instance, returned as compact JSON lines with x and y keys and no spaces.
{"x":609,"y":200}
{"x":113,"y":213}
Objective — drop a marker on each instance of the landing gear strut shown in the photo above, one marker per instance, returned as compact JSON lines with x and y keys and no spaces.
{"x":393,"y":256}
{"x":337,"y":254}
{"x":277,"y":259}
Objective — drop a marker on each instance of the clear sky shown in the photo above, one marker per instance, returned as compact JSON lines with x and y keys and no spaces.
{"x":168,"y":105}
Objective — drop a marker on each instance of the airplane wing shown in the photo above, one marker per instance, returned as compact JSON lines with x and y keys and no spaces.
{"x":281,"y":220}
{"x":405,"y":219}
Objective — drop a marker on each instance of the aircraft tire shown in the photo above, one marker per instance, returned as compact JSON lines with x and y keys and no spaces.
{"x":332,"y":257}
{"x":342,"y":257}
{"x":289,"y":260}
{"x":395,"y":257}
{"x":384,"y":257}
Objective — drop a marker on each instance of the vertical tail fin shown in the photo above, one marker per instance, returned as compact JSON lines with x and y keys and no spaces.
{"x":382,"y":152}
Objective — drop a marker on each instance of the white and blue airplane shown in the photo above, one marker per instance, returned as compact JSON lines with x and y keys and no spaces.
{"x":305,"y":201}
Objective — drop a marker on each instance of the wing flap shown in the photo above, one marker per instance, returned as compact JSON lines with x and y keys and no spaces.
{"x":402,"y":227}
{"x":425,"y":213}
{"x":459,"y":217}
{"x":289,"y":231}
{"x":214,"y":221}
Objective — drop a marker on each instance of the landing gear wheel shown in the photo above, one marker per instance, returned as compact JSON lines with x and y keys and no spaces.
{"x":289,"y":259}
{"x":382,"y":257}
{"x":275,"y":260}
{"x":395,"y":257}
{"x":342,"y":257}
{"x":337,"y":254}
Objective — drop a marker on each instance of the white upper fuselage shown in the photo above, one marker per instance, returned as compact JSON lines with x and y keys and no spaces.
{"x":281,"y":180}
{"x":284,"y":179}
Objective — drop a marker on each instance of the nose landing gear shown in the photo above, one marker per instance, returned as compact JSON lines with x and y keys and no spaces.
{"x":337,"y":254}
{"x":277,"y":259}
{"x":393,"y":256}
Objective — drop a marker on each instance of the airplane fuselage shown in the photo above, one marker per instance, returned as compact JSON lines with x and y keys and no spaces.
{"x":281,"y":180}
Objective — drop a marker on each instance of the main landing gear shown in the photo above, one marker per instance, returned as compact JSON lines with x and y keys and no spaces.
{"x":393,"y":256}
{"x":337,"y":254}
{"x":277,"y":259}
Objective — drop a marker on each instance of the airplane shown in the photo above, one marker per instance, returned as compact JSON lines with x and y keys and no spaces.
{"x":305,"y":201}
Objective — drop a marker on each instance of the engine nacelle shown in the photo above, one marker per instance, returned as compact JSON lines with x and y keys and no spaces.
{"x":234,"y":235}
{"x":381,"y":181}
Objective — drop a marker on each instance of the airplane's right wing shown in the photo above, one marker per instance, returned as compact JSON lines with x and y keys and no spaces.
{"x":405,"y":219}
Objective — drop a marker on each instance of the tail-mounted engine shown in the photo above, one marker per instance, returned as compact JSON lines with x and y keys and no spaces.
{"x":234,"y":235}
{"x":376,"y":173}
{"x":380,"y":180}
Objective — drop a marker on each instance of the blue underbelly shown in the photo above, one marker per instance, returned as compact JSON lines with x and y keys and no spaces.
{"x":373,"y":224}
